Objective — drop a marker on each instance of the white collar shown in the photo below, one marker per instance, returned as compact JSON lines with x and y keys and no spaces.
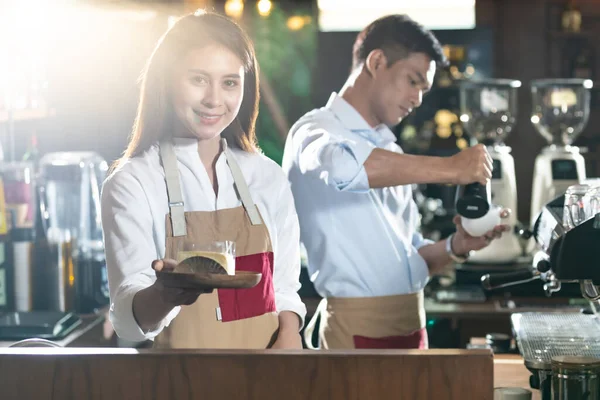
{"x":381,"y":135}
{"x":185,"y":144}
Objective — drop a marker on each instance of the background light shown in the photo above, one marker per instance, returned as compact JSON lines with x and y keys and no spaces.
{"x":234,"y":8}
{"x":264,"y":7}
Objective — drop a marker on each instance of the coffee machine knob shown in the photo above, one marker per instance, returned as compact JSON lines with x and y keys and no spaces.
{"x":523,"y":233}
{"x":543,"y":266}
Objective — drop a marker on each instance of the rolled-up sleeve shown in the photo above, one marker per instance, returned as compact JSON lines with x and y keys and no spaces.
{"x":419,"y":241}
{"x":286,"y":271}
{"x":130,"y":250}
{"x":336,"y":160}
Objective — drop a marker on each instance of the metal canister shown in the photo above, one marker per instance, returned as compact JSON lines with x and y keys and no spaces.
{"x":575,"y":378}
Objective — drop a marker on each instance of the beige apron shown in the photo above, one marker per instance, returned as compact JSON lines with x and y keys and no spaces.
{"x":385,"y":322}
{"x":225,"y":318}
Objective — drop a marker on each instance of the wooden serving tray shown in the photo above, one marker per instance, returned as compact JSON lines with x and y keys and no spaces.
{"x":203,"y":281}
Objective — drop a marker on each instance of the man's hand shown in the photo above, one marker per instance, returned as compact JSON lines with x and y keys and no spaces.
{"x":473,"y":164}
{"x":462,"y":242}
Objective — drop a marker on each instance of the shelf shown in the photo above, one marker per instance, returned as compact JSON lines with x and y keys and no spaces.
{"x":28,"y":114}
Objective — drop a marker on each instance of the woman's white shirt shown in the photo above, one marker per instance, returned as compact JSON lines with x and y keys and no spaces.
{"x":134,"y":207}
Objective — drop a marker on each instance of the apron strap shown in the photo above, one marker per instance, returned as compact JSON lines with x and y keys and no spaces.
{"x":176,"y":205}
{"x":169,"y":161}
{"x":310,"y":327}
{"x":241,"y":186}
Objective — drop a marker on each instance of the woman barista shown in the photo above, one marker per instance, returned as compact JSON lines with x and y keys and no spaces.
{"x":192,"y":158}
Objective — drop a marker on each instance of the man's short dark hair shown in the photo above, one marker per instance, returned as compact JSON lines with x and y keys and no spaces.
{"x":398,"y":36}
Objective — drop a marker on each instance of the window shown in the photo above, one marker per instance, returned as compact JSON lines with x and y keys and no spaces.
{"x":354,"y":15}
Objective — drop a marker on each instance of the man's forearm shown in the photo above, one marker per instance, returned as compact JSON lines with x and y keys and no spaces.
{"x":386,"y":168}
{"x":435,"y":256}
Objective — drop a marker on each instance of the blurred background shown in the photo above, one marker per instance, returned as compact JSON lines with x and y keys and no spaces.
{"x":69,"y":68}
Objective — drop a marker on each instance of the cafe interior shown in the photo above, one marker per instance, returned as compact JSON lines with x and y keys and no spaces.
{"x":517,"y":320}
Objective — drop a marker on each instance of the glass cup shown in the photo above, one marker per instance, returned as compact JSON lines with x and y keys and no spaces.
{"x":222,"y":252}
{"x":594,"y":196}
{"x":578,"y":206}
{"x":575,"y":377}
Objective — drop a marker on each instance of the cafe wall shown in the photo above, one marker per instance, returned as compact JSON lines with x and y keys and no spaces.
{"x":530,"y":43}
{"x":94,"y":61}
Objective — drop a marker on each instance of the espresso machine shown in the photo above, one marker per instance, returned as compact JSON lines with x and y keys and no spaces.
{"x":488,"y":112}
{"x":69,"y":251}
{"x":561,"y":109}
{"x":567,"y":231}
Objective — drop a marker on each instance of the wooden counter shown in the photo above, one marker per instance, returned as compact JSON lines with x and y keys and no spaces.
{"x":510,"y":371}
{"x":48,"y":373}
{"x":43,"y":373}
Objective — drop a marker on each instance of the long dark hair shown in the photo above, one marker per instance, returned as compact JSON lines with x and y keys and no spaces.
{"x":155,"y":112}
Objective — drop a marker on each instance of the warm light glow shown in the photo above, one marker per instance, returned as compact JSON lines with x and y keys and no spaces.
{"x":458,"y":132}
{"x":264,"y":7}
{"x":234,"y":8}
{"x":455,"y":72}
{"x":30,"y":34}
{"x":444,"y":120}
{"x":454,"y":53}
{"x":27,"y":32}
{"x":296,"y":22}
{"x":461,"y":143}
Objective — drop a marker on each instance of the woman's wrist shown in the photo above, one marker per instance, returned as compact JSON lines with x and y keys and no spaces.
{"x":150,"y":307}
{"x":289,"y":322}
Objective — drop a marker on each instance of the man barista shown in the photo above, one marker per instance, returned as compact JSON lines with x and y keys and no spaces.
{"x":352,"y":190}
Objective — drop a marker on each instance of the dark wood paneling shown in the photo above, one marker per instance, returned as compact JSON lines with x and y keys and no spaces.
{"x":521,"y":55}
{"x":259,"y":375}
{"x":525,"y":49}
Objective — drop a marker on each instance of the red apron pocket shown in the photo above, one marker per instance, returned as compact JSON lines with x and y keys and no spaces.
{"x":415,"y":340}
{"x":238,"y":304}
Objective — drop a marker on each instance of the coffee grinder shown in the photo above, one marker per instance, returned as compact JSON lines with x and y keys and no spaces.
{"x":488,"y":112}
{"x":560,"y":111}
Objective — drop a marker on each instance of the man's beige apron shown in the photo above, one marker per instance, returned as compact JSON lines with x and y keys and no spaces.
{"x":386,"y":322}
{"x":225,"y":318}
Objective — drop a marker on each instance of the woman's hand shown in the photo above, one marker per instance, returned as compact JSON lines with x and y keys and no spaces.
{"x":288,"y":336}
{"x":288,"y":339}
{"x":174,"y":296}
{"x":152,"y":304}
